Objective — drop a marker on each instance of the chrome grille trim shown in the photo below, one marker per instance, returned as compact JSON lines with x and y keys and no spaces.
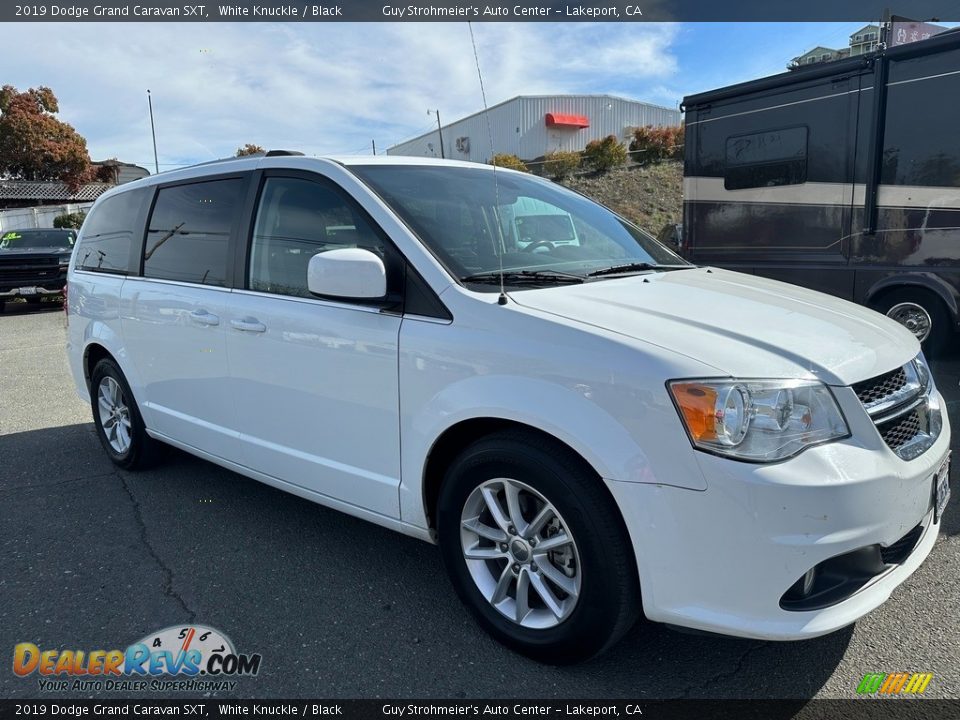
{"x":902,"y":408}
{"x":883,"y":393}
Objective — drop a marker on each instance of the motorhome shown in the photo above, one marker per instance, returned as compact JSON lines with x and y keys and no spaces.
{"x":843,"y":178}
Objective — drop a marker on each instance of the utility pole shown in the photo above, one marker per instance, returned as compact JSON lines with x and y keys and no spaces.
{"x":439,"y":130}
{"x":374,"y":143}
{"x":153,"y":132}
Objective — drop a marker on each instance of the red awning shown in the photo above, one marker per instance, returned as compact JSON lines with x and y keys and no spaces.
{"x":568,"y":121}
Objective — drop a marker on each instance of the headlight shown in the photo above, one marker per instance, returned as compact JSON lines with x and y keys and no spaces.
{"x":758,"y":420}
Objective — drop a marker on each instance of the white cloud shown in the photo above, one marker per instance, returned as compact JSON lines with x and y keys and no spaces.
{"x":319,"y":88}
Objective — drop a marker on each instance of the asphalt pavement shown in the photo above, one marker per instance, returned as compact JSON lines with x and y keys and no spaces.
{"x":96,"y":558}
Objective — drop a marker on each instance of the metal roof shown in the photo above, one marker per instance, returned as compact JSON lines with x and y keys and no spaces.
{"x":45,"y":190}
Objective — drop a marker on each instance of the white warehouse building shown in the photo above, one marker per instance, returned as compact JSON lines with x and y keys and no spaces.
{"x":531,"y":126}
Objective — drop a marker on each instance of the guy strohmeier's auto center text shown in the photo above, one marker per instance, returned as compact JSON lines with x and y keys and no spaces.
{"x":307,"y":11}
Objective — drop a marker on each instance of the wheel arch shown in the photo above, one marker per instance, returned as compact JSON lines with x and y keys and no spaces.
{"x":459,"y":436}
{"x":93,"y":353}
{"x":925,"y":281}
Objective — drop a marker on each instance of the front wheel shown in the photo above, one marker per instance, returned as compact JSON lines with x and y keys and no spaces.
{"x":536,"y":548}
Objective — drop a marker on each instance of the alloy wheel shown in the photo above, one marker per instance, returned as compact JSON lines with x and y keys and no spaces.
{"x":520,"y":553}
{"x":114,"y":415}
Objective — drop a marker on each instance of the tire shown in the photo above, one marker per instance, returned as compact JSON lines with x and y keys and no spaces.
{"x":597,"y":568}
{"x":125,"y":436}
{"x":921,"y":312}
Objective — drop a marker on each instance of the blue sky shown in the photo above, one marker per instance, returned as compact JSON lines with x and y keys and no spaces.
{"x":331,"y":88}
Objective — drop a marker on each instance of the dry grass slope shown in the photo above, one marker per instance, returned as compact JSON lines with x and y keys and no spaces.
{"x":649,"y":195}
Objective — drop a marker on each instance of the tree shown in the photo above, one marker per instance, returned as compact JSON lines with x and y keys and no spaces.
{"x":605,"y":154}
{"x":250,"y":149}
{"x":506,"y":160}
{"x":560,"y":164}
{"x":70,"y":220}
{"x":655,"y":144}
{"x":34,"y":144}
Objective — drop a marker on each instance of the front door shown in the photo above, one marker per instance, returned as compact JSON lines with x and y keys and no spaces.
{"x":315,"y":381}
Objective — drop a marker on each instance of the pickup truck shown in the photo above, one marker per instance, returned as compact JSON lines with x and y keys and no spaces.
{"x":33,"y":263}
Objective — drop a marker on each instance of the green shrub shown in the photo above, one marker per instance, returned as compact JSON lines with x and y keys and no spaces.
{"x":655,"y":144}
{"x":560,"y":164}
{"x":69,"y":220}
{"x":606,"y":154}
{"x":505,"y":160}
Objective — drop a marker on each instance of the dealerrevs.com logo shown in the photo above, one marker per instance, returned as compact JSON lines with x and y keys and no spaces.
{"x":192,"y":658}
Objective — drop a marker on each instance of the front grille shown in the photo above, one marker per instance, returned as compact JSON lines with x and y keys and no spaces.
{"x":880,"y":388}
{"x":899,"y":551}
{"x":28,"y":263}
{"x":29,"y":271}
{"x":898,"y":432}
{"x":901,"y":406}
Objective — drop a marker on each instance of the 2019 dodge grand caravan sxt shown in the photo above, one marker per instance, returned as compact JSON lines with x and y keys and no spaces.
{"x":589,"y":429}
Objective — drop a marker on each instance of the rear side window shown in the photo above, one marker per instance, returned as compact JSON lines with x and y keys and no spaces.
{"x":766,"y":159}
{"x":189,"y":232}
{"x":110,"y":238}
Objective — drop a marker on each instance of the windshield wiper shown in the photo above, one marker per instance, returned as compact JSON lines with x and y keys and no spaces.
{"x":514,"y":276}
{"x":634,"y":267}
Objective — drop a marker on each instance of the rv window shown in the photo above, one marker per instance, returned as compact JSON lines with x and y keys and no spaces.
{"x":766,"y":159}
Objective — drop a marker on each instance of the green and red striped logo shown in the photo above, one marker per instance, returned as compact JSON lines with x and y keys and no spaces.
{"x":894,"y":683}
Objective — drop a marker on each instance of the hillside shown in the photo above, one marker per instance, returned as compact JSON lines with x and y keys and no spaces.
{"x":649,"y":195}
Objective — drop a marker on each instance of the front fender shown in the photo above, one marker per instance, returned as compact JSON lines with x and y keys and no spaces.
{"x":568,"y":413}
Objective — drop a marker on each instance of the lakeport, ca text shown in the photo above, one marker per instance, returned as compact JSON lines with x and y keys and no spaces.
{"x":614,"y":12}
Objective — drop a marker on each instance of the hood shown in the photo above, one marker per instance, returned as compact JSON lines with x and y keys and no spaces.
{"x":9,"y":252}
{"x":744,"y":326}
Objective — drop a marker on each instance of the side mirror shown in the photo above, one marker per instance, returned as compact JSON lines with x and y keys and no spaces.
{"x":672,"y":236}
{"x":348,"y":273}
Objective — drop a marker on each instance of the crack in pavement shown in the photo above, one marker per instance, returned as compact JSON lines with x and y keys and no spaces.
{"x":723,"y":674}
{"x":34,"y":486}
{"x":168,"y":589}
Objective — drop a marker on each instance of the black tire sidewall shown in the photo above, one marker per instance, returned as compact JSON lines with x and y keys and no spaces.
{"x":108,"y":368}
{"x":595,"y":618}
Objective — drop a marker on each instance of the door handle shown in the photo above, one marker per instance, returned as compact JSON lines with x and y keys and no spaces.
{"x":248,"y":324}
{"x":202,"y":317}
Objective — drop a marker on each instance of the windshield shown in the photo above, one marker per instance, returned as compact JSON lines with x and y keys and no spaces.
{"x":543,"y":227}
{"x":53,"y":239}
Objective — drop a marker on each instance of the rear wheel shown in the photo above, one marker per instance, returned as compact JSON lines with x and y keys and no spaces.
{"x":117,"y":418}
{"x":922,"y":313}
{"x":537,"y":549}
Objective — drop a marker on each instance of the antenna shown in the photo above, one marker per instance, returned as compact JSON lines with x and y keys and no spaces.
{"x":502,"y":300}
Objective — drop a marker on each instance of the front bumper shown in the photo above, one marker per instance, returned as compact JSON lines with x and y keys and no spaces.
{"x":33,"y":291}
{"x":720,"y":560}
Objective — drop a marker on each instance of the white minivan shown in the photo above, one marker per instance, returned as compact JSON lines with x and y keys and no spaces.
{"x":589,"y":430}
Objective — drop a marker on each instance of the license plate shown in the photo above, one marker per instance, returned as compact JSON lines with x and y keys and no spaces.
{"x":941,"y":484}
{"x":27,"y":291}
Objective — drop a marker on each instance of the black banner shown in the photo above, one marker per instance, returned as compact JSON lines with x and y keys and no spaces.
{"x":457,"y":10}
{"x":862,"y":709}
